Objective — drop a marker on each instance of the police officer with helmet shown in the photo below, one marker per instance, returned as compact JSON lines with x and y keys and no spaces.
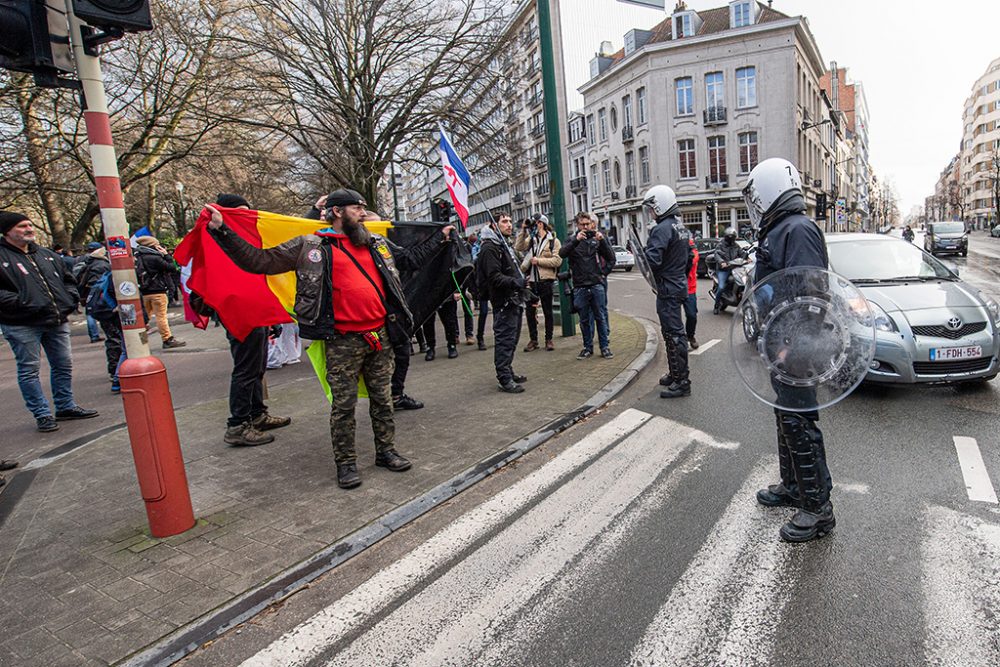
{"x":788,"y":238}
{"x":670,"y":255}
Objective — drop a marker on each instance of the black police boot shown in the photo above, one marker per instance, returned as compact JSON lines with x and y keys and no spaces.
{"x":347,"y":475}
{"x":808,"y":525}
{"x":785,"y":493}
{"x":666,"y":380}
{"x":677,"y":390}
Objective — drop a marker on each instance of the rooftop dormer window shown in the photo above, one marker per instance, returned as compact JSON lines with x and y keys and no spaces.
{"x":682,"y":25}
{"x":741,"y":13}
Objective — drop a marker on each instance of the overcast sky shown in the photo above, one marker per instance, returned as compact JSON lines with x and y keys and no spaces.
{"x":918,"y":60}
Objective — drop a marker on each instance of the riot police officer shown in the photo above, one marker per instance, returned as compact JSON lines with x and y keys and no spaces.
{"x":788,"y":238}
{"x":669,"y":254}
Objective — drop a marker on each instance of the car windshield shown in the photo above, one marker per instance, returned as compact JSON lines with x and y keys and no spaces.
{"x":949,"y":227}
{"x":888,"y":261}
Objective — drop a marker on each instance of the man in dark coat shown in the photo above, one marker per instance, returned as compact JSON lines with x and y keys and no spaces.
{"x":37,"y":294}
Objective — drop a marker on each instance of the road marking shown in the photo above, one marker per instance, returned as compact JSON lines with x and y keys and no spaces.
{"x":467,"y":610}
{"x":309,"y":639}
{"x":977,"y":479}
{"x":619,"y":277}
{"x":705,"y":346}
{"x":961,"y":596}
{"x":725,"y":608}
{"x":706,"y":439}
{"x":851,"y":487}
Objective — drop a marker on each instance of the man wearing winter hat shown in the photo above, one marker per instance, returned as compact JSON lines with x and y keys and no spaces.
{"x":37,"y":294}
{"x":153,"y":267}
{"x":347,"y":290}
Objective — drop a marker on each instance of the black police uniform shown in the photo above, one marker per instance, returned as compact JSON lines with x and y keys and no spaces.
{"x":670,"y":255}
{"x":790,"y":239}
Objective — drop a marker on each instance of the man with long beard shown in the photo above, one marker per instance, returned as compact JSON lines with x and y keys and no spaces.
{"x":347,"y":290}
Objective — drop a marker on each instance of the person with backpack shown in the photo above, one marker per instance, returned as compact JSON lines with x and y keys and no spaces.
{"x":539,"y":248}
{"x":153,"y":267}
{"x":102,"y":304}
{"x":79,"y":268}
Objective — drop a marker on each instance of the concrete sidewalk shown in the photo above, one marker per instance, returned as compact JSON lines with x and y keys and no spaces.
{"x":83,"y":583}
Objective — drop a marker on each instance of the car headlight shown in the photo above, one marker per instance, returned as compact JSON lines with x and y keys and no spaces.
{"x":994,"y":309}
{"x":882,"y":320}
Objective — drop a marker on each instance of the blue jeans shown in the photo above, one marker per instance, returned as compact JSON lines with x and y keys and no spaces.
{"x":722,"y":275}
{"x":592,"y":305}
{"x":27,"y":343}
{"x":92,"y":329}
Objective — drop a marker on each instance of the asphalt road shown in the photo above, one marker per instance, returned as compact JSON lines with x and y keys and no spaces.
{"x":634,"y":539}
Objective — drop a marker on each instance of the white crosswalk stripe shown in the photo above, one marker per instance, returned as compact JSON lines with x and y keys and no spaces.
{"x":961,"y":589}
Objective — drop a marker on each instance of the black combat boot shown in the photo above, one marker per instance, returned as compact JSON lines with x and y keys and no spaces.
{"x":812,"y":477}
{"x":347,"y":475}
{"x":785,"y":493}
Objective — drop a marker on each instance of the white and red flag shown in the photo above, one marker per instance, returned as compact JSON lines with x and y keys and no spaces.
{"x":456,"y":177}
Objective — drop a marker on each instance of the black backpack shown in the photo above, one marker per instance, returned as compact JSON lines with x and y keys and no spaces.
{"x":101,"y":301}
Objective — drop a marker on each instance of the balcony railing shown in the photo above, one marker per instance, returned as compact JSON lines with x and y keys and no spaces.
{"x":631,"y":191}
{"x":542,"y":190}
{"x":716,"y":182}
{"x":578,"y":184}
{"x":714,"y":116}
{"x":628,"y":134}
{"x":518,"y":197}
{"x":535,"y":100}
{"x":538,"y":130}
{"x":541,"y":160}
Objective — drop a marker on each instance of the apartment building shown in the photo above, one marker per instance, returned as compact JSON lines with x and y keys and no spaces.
{"x":697,"y":101}
{"x":979,"y":159}
{"x":850,"y":180}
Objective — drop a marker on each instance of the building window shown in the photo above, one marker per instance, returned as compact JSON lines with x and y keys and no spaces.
{"x":606,"y":174}
{"x":746,"y":87}
{"x":685,"y":152}
{"x":742,"y":214}
{"x":614,"y":118}
{"x":685,"y":96}
{"x":627,"y":111}
{"x":594,"y":184}
{"x":714,"y":93}
{"x":618,"y":174}
{"x":691,"y":218}
{"x":591,"y":135}
{"x":644,"y":164}
{"x":640,"y":104}
{"x":741,"y":14}
{"x":717,"y":159}
{"x":682,"y":26}
{"x":602,"y":123}
{"x":748,"y":151}
{"x":630,"y":168}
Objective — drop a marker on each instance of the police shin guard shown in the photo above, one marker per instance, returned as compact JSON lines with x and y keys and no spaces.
{"x":677,"y":360}
{"x":785,"y":493}
{"x":805,"y":443}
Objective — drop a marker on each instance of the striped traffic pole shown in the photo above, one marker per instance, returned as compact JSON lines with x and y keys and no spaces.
{"x":149,"y":411}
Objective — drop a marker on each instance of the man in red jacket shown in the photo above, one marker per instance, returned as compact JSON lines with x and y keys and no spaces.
{"x":691,"y":305}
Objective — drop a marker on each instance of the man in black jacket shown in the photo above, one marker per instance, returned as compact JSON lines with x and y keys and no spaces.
{"x":788,"y":239}
{"x":37,"y":294}
{"x":725,"y":253}
{"x":499,"y":279}
{"x":591,"y":259}
{"x":154,"y":266}
{"x":670,"y":255}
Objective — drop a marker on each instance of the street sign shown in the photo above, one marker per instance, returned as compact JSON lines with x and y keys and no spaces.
{"x":841,"y":212}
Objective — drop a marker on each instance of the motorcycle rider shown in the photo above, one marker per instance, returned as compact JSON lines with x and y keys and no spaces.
{"x":788,"y":238}
{"x":670,"y":254}
{"x":727,"y":251}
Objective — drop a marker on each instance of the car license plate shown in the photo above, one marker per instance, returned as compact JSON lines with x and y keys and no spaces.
{"x":953,"y":353}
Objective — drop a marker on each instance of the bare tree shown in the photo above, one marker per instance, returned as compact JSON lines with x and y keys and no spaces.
{"x":351,"y":82}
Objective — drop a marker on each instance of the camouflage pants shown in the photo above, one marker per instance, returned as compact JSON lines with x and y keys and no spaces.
{"x":349,"y":357}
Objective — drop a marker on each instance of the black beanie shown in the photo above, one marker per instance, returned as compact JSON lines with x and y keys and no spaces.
{"x":8,"y":219}
{"x":231,"y":201}
{"x":344,"y":198}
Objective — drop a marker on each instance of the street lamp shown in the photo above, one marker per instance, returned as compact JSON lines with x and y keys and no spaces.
{"x":807,"y":126}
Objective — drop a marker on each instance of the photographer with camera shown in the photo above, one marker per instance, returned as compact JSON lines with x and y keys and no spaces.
{"x":499,"y":279}
{"x":591,"y":259}
{"x":539,"y":248}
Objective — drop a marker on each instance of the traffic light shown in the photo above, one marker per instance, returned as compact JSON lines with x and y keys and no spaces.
{"x":821,"y":206}
{"x":36,"y":39}
{"x":127,"y":15}
{"x":710,"y":209}
{"x":440,"y":211}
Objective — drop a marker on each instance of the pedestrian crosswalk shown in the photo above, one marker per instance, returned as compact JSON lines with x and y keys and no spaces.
{"x":511,"y":579}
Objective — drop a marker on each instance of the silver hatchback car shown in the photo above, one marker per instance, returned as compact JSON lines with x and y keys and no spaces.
{"x":930,"y":326}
